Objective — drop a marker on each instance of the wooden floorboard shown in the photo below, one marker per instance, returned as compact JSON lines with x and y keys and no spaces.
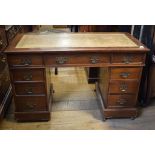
{"x":75,"y":107}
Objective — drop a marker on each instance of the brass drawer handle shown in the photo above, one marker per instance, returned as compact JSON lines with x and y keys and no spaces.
{"x":123,"y":87}
{"x":28,"y":77}
{"x":121,"y":101}
{"x":61,"y":60}
{"x":26,"y":62}
{"x":29,"y":91}
{"x":94,"y":59}
{"x":30,"y":106}
{"x":127,"y":59}
{"x":125,"y":74}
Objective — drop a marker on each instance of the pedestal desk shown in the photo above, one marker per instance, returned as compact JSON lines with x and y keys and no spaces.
{"x":120,"y":56}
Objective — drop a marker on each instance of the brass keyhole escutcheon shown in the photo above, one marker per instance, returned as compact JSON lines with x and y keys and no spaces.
{"x":123,"y":87}
{"x":28,"y":77}
{"x":94,"y":59}
{"x":30,"y":106}
{"x":61,"y":60}
{"x":29,"y":91}
{"x":26,"y":61}
{"x":121,"y":101}
{"x":125,"y":74}
{"x":127,"y":59}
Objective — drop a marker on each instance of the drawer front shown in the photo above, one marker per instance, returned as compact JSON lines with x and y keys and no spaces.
{"x":29,"y":88}
{"x":128,"y":58}
{"x":28,"y":74}
{"x":33,"y":103}
{"x":121,"y":101}
{"x":125,"y":73}
{"x":123,"y":87}
{"x":25,"y":60}
{"x":71,"y":59}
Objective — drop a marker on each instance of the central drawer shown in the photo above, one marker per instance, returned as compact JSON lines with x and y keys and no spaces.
{"x":126,"y":73}
{"x":33,"y":103}
{"x":29,"y":88}
{"x":27,"y":74}
{"x":72,"y":59}
{"x":123,"y":87}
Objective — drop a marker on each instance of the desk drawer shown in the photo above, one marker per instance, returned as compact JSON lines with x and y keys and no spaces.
{"x":128,"y":58}
{"x":33,"y":103}
{"x":121,"y":101}
{"x":72,"y":59}
{"x":29,"y":88}
{"x":123,"y":87}
{"x":126,"y":73}
{"x":28,"y":74}
{"x":25,"y":60}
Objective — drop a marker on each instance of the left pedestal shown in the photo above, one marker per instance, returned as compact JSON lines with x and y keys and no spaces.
{"x":31,"y":87}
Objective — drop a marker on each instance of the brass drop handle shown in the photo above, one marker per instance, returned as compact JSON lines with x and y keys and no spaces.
{"x":29,"y":91}
{"x":123,"y":90}
{"x":30,"y":106}
{"x":94,"y":59}
{"x":127,"y":59}
{"x":61,"y":60}
{"x":123,"y":87}
{"x":26,"y":62}
{"x":124,"y":74}
{"x":121,"y":101}
{"x":28,"y":77}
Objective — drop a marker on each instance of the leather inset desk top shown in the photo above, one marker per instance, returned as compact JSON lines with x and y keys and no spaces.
{"x":55,"y":40}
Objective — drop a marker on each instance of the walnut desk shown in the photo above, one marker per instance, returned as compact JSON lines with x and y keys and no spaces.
{"x":120,"y":56}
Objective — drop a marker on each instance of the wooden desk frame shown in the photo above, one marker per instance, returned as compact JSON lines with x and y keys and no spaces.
{"x":116,"y":102}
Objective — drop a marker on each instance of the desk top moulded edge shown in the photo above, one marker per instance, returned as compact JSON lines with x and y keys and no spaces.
{"x":140,"y":47}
